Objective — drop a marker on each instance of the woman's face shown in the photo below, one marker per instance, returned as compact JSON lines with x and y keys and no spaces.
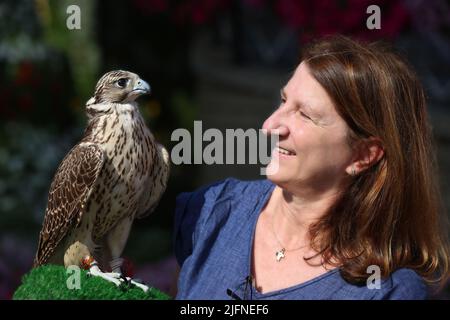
{"x":312,"y":137}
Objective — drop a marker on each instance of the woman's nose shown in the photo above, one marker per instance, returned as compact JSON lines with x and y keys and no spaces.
{"x":275,"y":125}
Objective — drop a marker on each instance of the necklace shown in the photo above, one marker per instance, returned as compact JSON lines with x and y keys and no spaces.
{"x":281,"y":254}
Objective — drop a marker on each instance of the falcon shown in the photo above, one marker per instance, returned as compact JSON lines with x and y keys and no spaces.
{"x":117,"y":173}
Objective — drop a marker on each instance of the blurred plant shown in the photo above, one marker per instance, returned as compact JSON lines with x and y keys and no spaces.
{"x":275,"y":26}
{"x":270,"y":32}
{"x":42,"y":69}
{"x":431,"y":21}
{"x":18,"y":25}
{"x":35,"y":78}
{"x":16,"y":256}
{"x":29,"y":157}
{"x":182,"y":13}
{"x":79,"y":46}
{"x":323,"y":17}
{"x":184,"y":109}
{"x":33,"y":91}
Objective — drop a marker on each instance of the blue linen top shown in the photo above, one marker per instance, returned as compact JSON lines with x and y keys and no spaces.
{"x":213,"y":238}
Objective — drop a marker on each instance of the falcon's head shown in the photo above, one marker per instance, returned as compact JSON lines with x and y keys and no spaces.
{"x":119,"y":86}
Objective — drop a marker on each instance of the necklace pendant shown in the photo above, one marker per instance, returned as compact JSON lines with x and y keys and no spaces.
{"x":280,"y":254}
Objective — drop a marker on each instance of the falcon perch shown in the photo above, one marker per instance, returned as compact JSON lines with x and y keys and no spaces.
{"x":114,"y":175}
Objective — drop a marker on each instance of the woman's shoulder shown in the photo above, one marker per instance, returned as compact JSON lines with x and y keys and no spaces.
{"x":235,"y":187}
{"x":403,"y":284}
{"x":227,"y":189}
{"x":212,"y":207}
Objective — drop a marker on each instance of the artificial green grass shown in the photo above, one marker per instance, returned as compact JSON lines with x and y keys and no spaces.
{"x":49,"y":282}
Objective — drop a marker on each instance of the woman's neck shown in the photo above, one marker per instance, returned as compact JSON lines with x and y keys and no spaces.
{"x":293,"y":214}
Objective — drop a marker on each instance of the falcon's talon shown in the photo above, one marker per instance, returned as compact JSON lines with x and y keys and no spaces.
{"x":125,"y":279}
{"x":140,"y":285}
{"x":95,"y":271}
{"x":114,"y":274}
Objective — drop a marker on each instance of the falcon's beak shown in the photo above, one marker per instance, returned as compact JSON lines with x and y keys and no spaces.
{"x":141,"y":87}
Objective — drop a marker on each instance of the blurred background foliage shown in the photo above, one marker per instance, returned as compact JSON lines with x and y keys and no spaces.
{"x":220,"y":61}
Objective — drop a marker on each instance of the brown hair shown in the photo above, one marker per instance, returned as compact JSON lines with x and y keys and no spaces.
{"x":391,"y":215}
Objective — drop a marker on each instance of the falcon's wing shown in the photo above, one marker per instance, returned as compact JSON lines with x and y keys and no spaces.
{"x":68,"y":195}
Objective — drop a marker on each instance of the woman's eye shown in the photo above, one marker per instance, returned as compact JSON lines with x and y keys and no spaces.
{"x":122,"y":82}
{"x":304,"y":115}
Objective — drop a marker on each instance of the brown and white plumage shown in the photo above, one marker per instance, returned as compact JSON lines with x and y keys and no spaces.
{"x":69,"y":193}
{"x":115,"y":174}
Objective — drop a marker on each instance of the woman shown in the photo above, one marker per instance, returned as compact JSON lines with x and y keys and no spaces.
{"x":351,"y":209}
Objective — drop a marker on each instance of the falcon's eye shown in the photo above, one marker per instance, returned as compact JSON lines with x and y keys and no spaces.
{"x":122,"y":82}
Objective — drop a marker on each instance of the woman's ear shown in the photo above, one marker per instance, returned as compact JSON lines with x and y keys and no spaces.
{"x":367,"y":153}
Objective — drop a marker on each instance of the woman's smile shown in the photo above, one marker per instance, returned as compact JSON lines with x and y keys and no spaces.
{"x":284,"y":152}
